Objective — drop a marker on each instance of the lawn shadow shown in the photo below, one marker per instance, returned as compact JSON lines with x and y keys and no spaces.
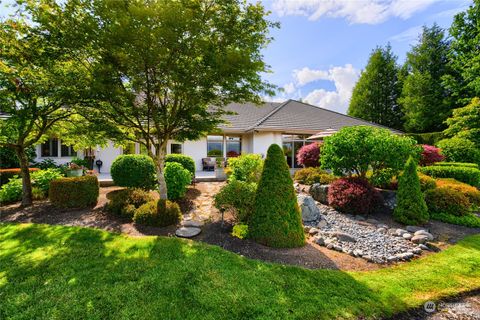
{"x":81,"y":272}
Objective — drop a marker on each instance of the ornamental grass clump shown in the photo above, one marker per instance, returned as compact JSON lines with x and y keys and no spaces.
{"x":276,"y":220}
{"x":411,"y":207}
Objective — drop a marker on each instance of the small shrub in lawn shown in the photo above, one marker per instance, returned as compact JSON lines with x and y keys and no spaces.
{"x":177,"y":179}
{"x":159,"y":213}
{"x":276,"y":220}
{"x":134,"y":171}
{"x":309,"y":155}
{"x":467,"y":175}
{"x":459,"y":150}
{"x":472,"y":193}
{"x":247,"y":168}
{"x":237,"y":197}
{"x":447,"y":200}
{"x":468,"y":220}
{"x":411,"y":207}
{"x":124,"y":202}
{"x":11,"y":191}
{"x":457,"y":164}
{"x":7,"y":174}
{"x":74,"y":192}
{"x":240,"y":231}
{"x":186,"y":161}
{"x":430,"y":155}
{"x":353,"y":195}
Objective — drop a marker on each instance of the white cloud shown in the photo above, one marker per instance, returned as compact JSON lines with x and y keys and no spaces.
{"x":409,"y":35}
{"x":289,"y":88}
{"x":355,"y":11}
{"x":307,"y":75}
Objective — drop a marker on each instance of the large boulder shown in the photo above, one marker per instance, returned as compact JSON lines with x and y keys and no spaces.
{"x":319,"y":192}
{"x":310,"y":211}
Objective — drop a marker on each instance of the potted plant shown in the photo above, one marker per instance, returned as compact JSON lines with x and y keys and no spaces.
{"x":220,"y":169}
{"x":74,"y":170}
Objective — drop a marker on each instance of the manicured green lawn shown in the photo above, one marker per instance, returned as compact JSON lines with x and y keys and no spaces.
{"x":57,"y":272}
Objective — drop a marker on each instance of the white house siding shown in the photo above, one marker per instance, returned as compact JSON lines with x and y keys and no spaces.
{"x":195,"y":149}
{"x":263,"y":140}
{"x":107,"y":155}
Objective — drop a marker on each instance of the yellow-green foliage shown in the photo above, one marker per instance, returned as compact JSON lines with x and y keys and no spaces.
{"x":159,"y":213}
{"x":447,"y":200}
{"x":276,"y":220}
{"x":472,"y":193}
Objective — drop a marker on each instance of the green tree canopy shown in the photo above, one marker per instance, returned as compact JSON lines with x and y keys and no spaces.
{"x":425,"y":101}
{"x":40,"y":87}
{"x":465,"y":122}
{"x":464,"y":55}
{"x":164,"y":69}
{"x":375,"y":95}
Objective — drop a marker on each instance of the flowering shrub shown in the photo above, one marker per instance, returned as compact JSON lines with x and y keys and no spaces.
{"x":353,"y":195}
{"x":430,"y":155}
{"x":309,"y":155}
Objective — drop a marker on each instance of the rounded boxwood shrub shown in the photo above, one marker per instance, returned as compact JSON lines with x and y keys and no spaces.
{"x":354,"y":195}
{"x":186,"y":161}
{"x":448,"y":201}
{"x":177,"y":179}
{"x":276,"y":220}
{"x":459,"y":150}
{"x":309,"y":155}
{"x":124,"y":202}
{"x":159,"y":213}
{"x":134,"y":171}
{"x":236,"y":197}
{"x":411,"y":207}
{"x":74,"y":192}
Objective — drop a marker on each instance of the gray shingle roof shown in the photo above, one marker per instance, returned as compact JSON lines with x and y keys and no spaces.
{"x":293,"y":116}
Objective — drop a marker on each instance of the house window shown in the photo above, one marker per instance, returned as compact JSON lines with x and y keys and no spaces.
{"x":234,"y":146}
{"x":175,"y":148}
{"x":291,"y":144}
{"x":50,"y":148}
{"x":215,"y":146}
{"x":67,"y":151}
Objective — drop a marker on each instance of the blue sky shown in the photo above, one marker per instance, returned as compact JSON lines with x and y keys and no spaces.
{"x":322,"y":45}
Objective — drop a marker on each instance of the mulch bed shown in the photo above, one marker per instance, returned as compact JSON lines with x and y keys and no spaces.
{"x":310,"y":256}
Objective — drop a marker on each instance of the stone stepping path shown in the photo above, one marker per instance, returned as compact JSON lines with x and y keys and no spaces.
{"x":203,"y":210}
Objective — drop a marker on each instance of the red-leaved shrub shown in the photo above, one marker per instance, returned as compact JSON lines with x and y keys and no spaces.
{"x":430,"y":155}
{"x":353,"y":195}
{"x":309,"y":155}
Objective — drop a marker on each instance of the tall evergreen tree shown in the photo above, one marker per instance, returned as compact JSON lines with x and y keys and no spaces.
{"x":425,"y":100}
{"x":464,"y":56}
{"x":375,"y":95}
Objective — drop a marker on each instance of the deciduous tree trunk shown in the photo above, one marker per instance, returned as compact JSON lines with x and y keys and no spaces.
{"x":161,"y":151}
{"x":26,"y":182}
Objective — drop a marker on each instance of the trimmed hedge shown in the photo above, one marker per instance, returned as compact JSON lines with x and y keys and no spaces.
{"x":177,"y":179}
{"x":353,"y":195}
{"x":134,"y":171}
{"x":276,"y":220}
{"x":468,"y":220}
{"x":467,"y":175}
{"x":7,"y":174}
{"x":186,"y":161}
{"x":411,"y":207}
{"x":472,"y":193}
{"x":124,"y":202}
{"x":457,"y":164}
{"x":447,"y":200}
{"x":159,"y":213}
{"x":74,"y":192}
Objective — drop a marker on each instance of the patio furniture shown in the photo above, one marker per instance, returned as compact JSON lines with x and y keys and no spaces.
{"x":208,"y":164}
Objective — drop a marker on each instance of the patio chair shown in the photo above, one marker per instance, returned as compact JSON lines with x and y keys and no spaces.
{"x":208,"y":164}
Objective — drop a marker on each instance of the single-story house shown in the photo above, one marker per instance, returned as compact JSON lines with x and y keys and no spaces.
{"x":252,"y":129}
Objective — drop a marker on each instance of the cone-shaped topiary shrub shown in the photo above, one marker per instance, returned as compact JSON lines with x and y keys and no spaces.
{"x":411,"y":207}
{"x":276,"y":220}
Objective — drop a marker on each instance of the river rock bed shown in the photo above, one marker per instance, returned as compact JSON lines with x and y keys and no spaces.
{"x":366,"y":238}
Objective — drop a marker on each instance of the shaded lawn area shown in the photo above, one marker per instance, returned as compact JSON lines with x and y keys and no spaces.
{"x":60,"y":272}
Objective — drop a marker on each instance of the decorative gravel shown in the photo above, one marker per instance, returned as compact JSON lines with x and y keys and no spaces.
{"x":368,"y":239}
